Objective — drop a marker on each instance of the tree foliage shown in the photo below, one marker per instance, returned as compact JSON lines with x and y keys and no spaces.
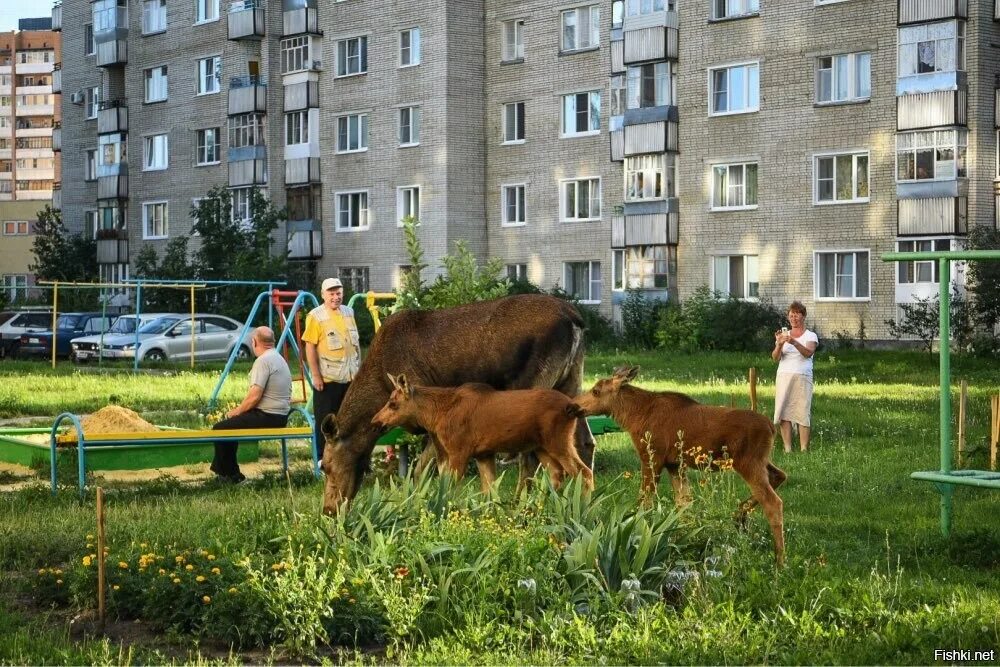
{"x":60,"y":255}
{"x":983,"y":277}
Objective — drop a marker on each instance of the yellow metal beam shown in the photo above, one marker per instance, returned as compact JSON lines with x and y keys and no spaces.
{"x":195,"y":434}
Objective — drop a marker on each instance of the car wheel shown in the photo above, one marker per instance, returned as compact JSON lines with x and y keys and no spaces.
{"x":155,"y":355}
{"x":244,"y":353}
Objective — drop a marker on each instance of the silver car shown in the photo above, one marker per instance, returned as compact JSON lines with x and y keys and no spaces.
{"x":169,"y":339}
{"x":86,"y":348}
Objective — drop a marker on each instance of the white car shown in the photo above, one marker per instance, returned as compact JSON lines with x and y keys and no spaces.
{"x":13,"y":324}
{"x":86,"y":348}
{"x":169,"y":339}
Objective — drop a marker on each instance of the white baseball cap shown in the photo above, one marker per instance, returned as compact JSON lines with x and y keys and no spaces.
{"x":331,"y":283}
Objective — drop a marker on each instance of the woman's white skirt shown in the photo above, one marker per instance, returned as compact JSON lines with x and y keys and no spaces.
{"x":793,"y":398}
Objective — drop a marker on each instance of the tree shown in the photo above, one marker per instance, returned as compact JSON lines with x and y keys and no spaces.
{"x":921,"y":320}
{"x":983,"y":277}
{"x":59,"y":255}
{"x":175,"y":266}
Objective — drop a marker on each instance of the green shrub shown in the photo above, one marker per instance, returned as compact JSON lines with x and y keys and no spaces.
{"x":640,"y":316}
{"x":707,"y":321}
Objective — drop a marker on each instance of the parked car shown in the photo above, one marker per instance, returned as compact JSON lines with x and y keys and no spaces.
{"x":86,"y":348}
{"x":14,"y":323}
{"x":68,"y":327}
{"x":169,"y":339}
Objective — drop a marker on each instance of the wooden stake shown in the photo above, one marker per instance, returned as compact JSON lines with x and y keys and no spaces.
{"x":753,"y":389}
{"x":732,"y":400}
{"x":994,"y":429}
{"x":963,"y":397}
{"x":100,"y":555}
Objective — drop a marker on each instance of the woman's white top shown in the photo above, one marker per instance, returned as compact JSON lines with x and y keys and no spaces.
{"x":792,"y":360}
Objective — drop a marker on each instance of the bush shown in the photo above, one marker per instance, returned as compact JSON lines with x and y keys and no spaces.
{"x":709,"y":321}
{"x":921,"y":321}
{"x":639,"y":320}
{"x":598,"y":331}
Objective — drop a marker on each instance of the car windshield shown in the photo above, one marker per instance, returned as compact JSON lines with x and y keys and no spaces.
{"x":157,"y":326}
{"x":123,"y":325}
{"x":68,"y":321}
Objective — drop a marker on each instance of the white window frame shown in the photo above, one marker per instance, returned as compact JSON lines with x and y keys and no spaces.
{"x":930,"y":265}
{"x":92,"y":102}
{"x":855,"y":199}
{"x":404,"y":199}
{"x":636,"y":170}
{"x":958,"y":47}
{"x":646,"y":7}
{"x":206,"y":76}
{"x":241,"y":198}
{"x":519,"y":272}
{"x":521,"y":204}
{"x":151,"y":82}
{"x":853,"y":92}
{"x":959,"y":147}
{"x":147,"y":25}
{"x":296,"y":54}
{"x":574,"y":183}
{"x":364,"y":213}
{"x":349,"y":275}
{"x":12,"y":282}
{"x":344,"y":59}
{"x":591,"y":283}
{"x":512,"y":40}
{"x":19,"y":228}
{"x":413,"y":48}
{"x":747,"y":90}
{"x":149,"y":143}
{"x":724,"y":290}
{"x":737,"y":207}
{"x":89,"y":46}
{"x":147,"y":208}
{"x":519,"y":114}
{"x":664,"y":81}
{"x":593,"y":32}
{"x":836,"y":252}
{"x":362,"y":129}
{"x":204,"y":10}
{"x":413,"y":126}
{"x":296,"y":127}
{"x":199,"y":146}
{"x":617,"y":269}
{"x":90,"y":164}
{"x":91,"y":223}
{"x":734,"y":9}
{"x":564,"y":111}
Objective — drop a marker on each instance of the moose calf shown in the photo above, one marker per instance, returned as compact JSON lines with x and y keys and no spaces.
{"x":661,"y":423}
{"x":476,"y":421}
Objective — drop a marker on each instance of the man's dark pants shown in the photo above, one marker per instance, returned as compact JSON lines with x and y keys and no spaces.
{"x":327,"y":402}
{"x":224,"y":464}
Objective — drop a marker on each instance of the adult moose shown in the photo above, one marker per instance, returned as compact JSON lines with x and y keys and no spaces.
{"x":516,"y":342}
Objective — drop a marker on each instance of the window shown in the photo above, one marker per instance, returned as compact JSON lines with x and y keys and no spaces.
{"x":581,"y":200}
{"x":111,"y":153}
{"x":155,"y":154}
{"x":108,"y":15}
{"x":352,"y":211}
{"x":513,"y":40}
{"x":734,"y":186}
{"x":154,"y":16}
{"x":209,"y":75}
{"x":513,"y":201}
{"x":88,"y":39}
{"x":352,"y":56}
{"x":581,"y":114}
{"x":650,"y":85}
{"x":90,"y":224}
{"x":355,"y":278}
{"x":15,"y":286}
{"x":517,"y":272}
{"x":156,"y":84}
{"x":90,"y":165}
{"x":643,"y":267}
{"x":295,"y":54}
{"x":16,"y":227}
{"x":297,"y":128}
{"x":583,"y":281}
{"x":581,"y":28}
{"x":725,"y":9}
{"x":931,"y":155}
{"x":734,"y":89}
{"x":843,"y":78}
{"x":154,"y":220}
{"x":513,"y":123}
{"x":617,"y":97}
{"x":241,"y":204}
{"x":841,"y":178}
{"x":736,"y":276}
{"x":304,"y":203}
{"x":409,"y":47}
{"x":407,"y":203}
{"x":208,"y":146}
{"x":650,"y":177}
{"x":207,"y":10}
{"x":93,"y":101}
{"x":409,"y":126}
{"x":842,"y":275}
{"x":352,"y":133}
{"x":246,"y":130}
{"x":219,"y":325}
{"x":641,"y":7}
{"x":923,"y":271}
{"x":931,"y":47}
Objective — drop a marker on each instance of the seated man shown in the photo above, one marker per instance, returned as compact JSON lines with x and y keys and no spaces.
{"x":266,"y":405}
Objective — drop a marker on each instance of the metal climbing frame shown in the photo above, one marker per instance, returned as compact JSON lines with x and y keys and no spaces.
{"x":946,"y":478}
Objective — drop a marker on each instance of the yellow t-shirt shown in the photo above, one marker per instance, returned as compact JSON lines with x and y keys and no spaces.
{"x":335,"y":335}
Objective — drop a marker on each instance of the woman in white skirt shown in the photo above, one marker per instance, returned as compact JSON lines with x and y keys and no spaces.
{"x":793,"y":350}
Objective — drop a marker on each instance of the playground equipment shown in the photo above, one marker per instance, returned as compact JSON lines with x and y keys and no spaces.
{"x":946,"y":478}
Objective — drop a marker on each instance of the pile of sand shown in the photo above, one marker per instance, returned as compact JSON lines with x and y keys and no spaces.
{"x":114,"y":419}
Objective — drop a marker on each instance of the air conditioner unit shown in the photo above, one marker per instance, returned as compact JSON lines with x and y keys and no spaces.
{"x":77,"y":97}
{"x":317,"y":65}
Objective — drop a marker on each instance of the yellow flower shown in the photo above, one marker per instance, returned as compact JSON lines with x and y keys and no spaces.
{"x":199,"y":579}
{"x":87,"y":561}
{"x":206,"y":599}
{"x":58,"y":582}
{"x":179,"y":559}
{"x":176,"y":580}
{"x":162,"y":571}
{"x":189,"y":567}
{"x":90,"y":537}
{"x":89,"y":545}
{"x":232,"y":590}
{"x":216,"y":570}
{"x":142,"y":546}
{"x":210,"y":557}
{"x":115,"y":587}
{"x":123,"y":565}
{"x":627,"y":475}
{"x":41,"y":572}
{"x":352,"y":600}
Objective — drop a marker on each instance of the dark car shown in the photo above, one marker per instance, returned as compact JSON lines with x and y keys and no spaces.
{"x":13,"y":324}
{"x":68,"y":327}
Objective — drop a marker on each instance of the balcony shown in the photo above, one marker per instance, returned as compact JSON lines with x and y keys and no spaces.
{"x":35,"y":110}
{"x":650,"y":37}
{"x":932,"y":216}
{"x":301,"y":171}
{"x":247,"y":166}
{"x":112,"y":42}
{"x":112,"y":181}
{"x":112,"y":117}
{"x":246,"y":19}
{"x":617,"y":56}
{"x":653,"y":137}
{"x":943,"y":107}
{"x":300,"y":21}
{"x":302,"y":95}
{"x":57,"y":136}
{"x":247,"y":94}
{"x":57,"y":78}
{"x":919,"y":11}
{"x":57,"y":195}
{"x":617,"y":145}
{"x":644,"y":229}
{"x":57,"y":16}
{"x":112,"y":246}
{"x":305,"y":239}
{"x":32,"y":68}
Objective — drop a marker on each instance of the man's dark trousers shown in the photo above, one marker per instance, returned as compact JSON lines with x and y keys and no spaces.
{"x":224,"y":464}
{"x":327,"y":402}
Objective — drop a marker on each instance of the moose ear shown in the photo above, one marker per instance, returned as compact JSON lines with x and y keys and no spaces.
{"x":404,"y":385}
{"x":631,"y":374}
{"x":329,"y":427}
{"x":392,"y":379}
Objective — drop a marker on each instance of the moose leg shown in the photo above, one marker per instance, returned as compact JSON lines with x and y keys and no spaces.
{"x":775,"y":477}
{"x":487,"y":472}
{"x":426,"y":457}
{"x":342,"y":478}
{"x":760,"y":486}
{"x":553,"y":466}
{"x":527,"y":464}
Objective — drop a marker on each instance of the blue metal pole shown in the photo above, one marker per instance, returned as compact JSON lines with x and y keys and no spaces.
{"x":236,"y":349}
{"x":79,"y":444}
{"x":138,"y":314}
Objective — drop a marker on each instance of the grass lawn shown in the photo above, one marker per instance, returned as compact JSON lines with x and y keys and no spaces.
{"x":869,"y":577}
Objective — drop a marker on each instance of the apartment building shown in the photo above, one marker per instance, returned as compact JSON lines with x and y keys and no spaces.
{"x":28,"y":165}
{"x":762,"y":148}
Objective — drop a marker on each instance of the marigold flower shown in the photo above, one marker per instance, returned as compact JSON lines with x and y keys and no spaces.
{"x":206,"y":599}
{"x":199,"y":578}
{"x":189,"y":567}
{"x":179,"y":559}
{"x":115,"y":587}
{"x":122,"y":565}
{"x":176,"y":580}
{"x":352,"y":600}
{"x":90,"y":537}
{"x":87,"y":561}
{"x":232,"y":590}
{"x":627,"y":475}
{"x":143,"y":545}
{"x":216,"y":570}
{"x":402,"y":571}
{"x":162,"y":571}
{"x":41,"y":572}
{"x":58,"y":582}
{"x":210,"y":557}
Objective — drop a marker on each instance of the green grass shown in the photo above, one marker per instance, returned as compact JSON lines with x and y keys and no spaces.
{"x":869,"y":578}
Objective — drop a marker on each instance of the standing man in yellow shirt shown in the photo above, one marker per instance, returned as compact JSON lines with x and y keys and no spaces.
{"x":332,"y":351}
